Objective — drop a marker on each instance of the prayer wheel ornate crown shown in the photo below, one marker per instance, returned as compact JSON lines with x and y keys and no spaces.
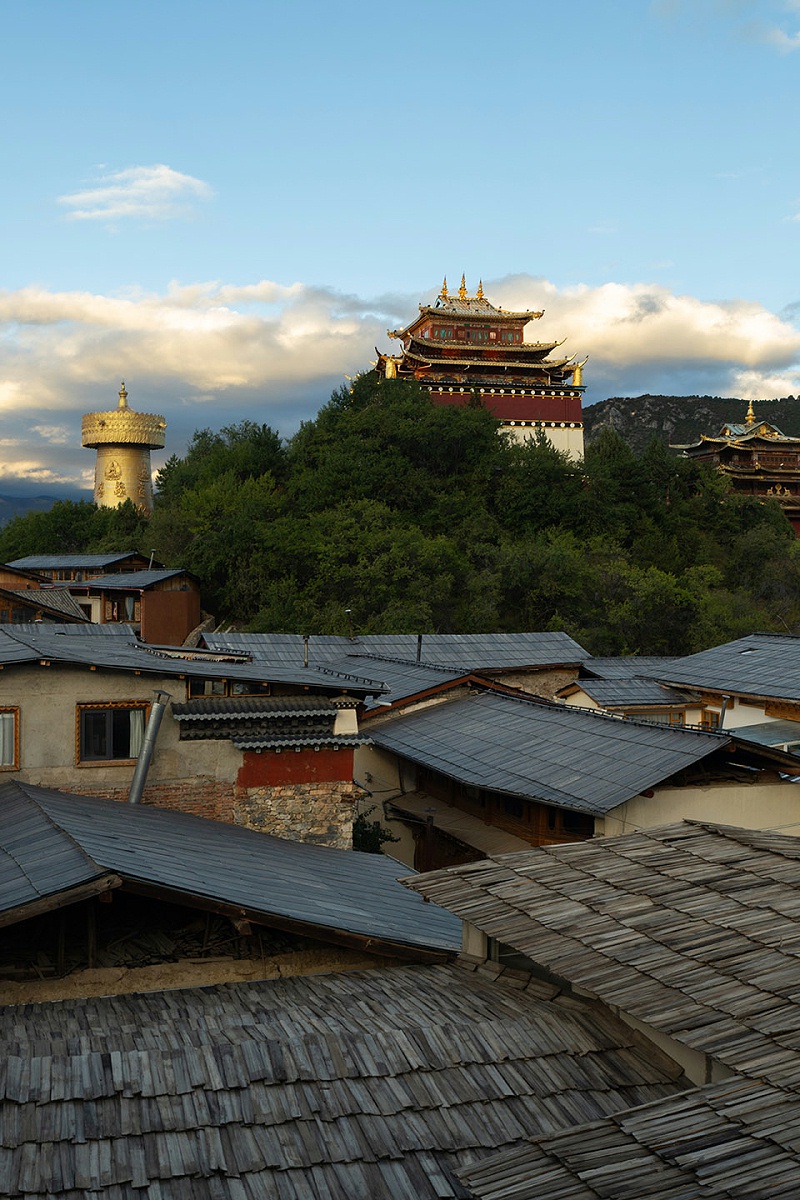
{"x":123,"y":440}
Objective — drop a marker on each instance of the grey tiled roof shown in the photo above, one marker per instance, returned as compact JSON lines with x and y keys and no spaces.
{"x":263,"y":723}
{"x":80,"y":562}
{"x":30,"y":629}
{"x":107,"y":649}
{"x":626,"y":666}
{"x":762,"y":664}
{"x":692,"y":929}
{"x":55,"y":600}
{"x":53,"y":840}
{"x":244,"y":708}
{"x":457,"y":651}
{"x":356,"y":1086}
{"x":613,"y":693}
{"x":131,"y":580}
{"x":564,"y":756}
{"x":770,"y":733}
{"x":731,"y":1139}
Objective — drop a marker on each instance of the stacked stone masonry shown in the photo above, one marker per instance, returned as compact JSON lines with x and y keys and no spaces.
{"x":320,"y":813}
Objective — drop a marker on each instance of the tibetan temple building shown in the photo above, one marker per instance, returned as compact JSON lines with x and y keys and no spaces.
{"x":462,"y":347}
{"x":758,"y":459}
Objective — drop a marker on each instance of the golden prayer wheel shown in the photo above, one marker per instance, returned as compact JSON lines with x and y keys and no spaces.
{"x":123,"y":440}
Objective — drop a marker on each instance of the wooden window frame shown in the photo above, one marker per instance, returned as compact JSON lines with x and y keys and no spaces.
{"x":261,"y":689}
{"x":105,"y":706}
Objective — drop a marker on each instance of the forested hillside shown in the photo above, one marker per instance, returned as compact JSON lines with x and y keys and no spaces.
{"x":421,"y":518}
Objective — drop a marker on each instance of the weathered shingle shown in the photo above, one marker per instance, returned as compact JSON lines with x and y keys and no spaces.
{"x":357,"y":1086}
{"x":733,"y":1139}
{"x":692,"y":929}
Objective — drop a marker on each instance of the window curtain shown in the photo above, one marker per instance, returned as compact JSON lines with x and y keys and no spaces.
{"x":7,"y":739}
{"x":137,"y":731}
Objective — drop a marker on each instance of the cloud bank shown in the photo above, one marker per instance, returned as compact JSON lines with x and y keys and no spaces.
{"x":210,"y":354}
{"x":153,"y":193}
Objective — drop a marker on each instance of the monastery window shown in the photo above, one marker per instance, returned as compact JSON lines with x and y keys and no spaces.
{"x":9,"y":739}
{"x":443,"y":331}
{"x":509,"y":335}
{"x":478,"y":335}
{"x":110,"y":733}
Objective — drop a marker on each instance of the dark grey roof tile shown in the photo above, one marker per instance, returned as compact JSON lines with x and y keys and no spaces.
{"x":564,"y":756}
{"x":322,"y":887}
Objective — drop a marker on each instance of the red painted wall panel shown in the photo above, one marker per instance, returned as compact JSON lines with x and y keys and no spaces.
{"x":271,"y":769}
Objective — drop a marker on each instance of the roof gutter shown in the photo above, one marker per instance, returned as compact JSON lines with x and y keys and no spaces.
{"x":157,"y":710}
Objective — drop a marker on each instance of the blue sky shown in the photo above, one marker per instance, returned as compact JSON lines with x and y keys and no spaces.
{"x":228,"y":205}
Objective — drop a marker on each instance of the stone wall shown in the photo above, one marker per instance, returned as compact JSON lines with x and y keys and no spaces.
{"x":303,"y":812}
{"x":320,"y":813}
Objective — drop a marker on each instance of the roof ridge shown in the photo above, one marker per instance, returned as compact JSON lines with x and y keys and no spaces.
{"x":24,"y":789}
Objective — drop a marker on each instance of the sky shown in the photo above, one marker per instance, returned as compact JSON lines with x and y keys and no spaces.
{"x":227,"y":206}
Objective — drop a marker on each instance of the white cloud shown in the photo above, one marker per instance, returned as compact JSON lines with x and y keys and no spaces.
{"x":154,"y":193}
{"x":209,"y":354}
{"x":635,"y":332}
{"x":780,"y":39}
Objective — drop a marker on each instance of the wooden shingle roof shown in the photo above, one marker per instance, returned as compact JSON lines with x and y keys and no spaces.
{"x":348,"y":1087}
{"x":692,"y":929}
{"x":733,"y":1139}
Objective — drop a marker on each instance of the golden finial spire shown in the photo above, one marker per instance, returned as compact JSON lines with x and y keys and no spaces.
{"x":123,"y":396}
{"x":479,"y":293}
{"x":462,"y":291}
{"x":750,"y":419}
{"x":443,"y":292}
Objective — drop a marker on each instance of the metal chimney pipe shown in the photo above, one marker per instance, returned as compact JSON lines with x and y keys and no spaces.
{"x":157,"y":710}
{"x":419,"y":647}
{"x":305,"y":649}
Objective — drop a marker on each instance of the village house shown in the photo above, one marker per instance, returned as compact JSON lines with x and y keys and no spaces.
{"x":27,"y":597}
{"x":628,"y":686}
{"x":750,"y":681}
{"x":99,"y":897}
{"x":539,"y":663}
{"x":268,"y":748}
{"x":383,"y":1080}
{"x":161,"y":603}
{"x":493,"y":772}
{"x":622,"y":1020}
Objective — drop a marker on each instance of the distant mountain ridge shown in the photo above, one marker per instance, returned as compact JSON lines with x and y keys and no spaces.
{"x":17,"y":506}
{"x":680,"y":420}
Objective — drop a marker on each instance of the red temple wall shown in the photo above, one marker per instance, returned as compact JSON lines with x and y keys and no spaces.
{"x":518,"y":407}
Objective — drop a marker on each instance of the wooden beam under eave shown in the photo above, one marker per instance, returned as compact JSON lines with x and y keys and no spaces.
{"x":319,"y":933}
{"x":35,"y":908}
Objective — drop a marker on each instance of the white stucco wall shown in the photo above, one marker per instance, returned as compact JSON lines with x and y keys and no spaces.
{"x":769,"y":805}
{"x":564,"y":435}
{"x":47,"y":698}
